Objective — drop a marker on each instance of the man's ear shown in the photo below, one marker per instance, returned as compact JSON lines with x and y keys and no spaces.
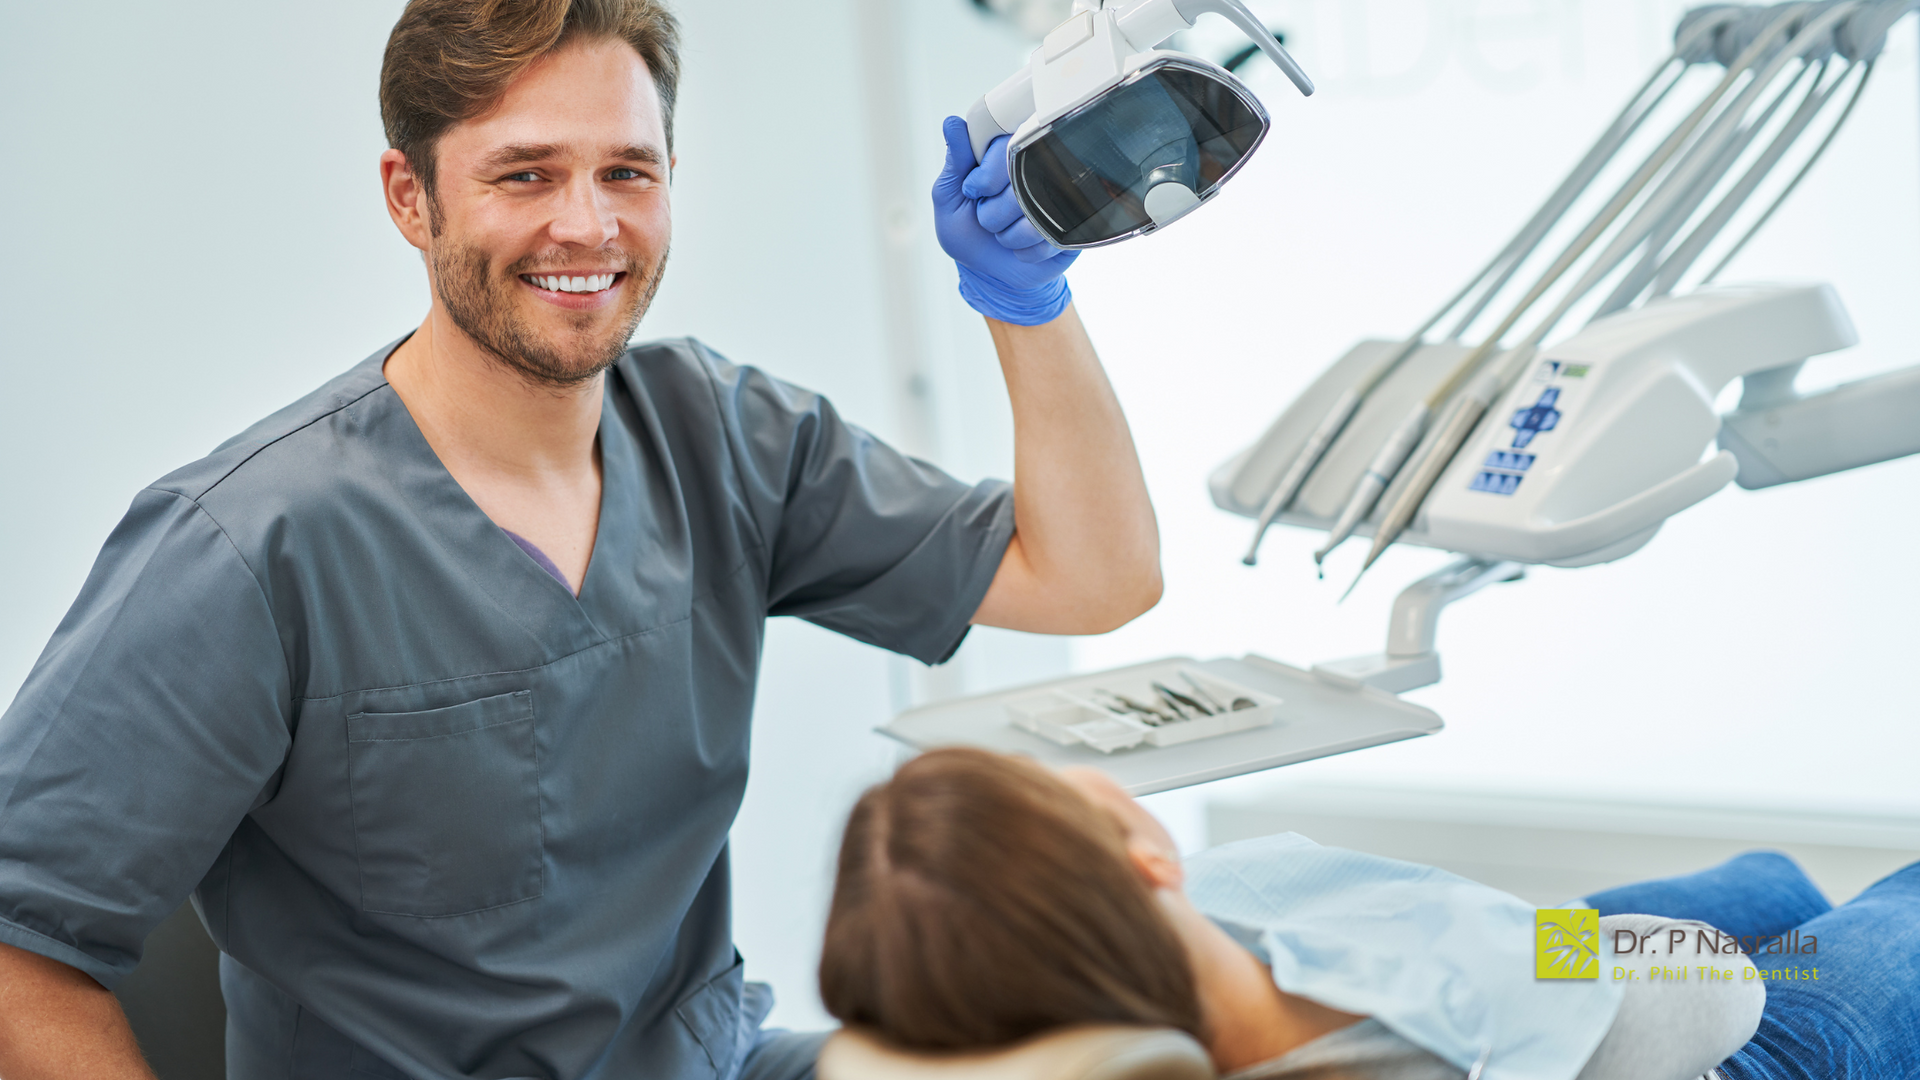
{"x":407,"y":202}
{"x":1159,"y":869}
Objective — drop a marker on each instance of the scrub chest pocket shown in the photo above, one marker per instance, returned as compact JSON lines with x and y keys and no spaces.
{"x":446,"y":807}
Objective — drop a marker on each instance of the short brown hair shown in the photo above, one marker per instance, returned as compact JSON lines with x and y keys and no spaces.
{"x":451,"y":60}
{"x":981,"y":900}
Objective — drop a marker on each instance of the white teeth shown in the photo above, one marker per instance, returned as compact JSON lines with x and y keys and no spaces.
{"x":573,"y":284}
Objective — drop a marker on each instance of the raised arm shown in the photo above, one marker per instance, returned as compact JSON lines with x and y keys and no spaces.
{"x":1085,"y":555}
{"x":57,"y":1023}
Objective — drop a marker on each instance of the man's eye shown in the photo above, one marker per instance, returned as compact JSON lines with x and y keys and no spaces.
{"x":624,"y":174}
{"x":523,"y":177}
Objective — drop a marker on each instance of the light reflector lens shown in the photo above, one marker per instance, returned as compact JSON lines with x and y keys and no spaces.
{"x":1083,"y":179}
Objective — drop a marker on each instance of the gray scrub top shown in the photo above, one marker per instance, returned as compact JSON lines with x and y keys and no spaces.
{"x":442,"y":817}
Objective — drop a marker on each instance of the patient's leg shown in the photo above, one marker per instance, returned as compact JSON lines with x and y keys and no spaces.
{"x":1859,"y":1019}
{"x":1760,"y":892}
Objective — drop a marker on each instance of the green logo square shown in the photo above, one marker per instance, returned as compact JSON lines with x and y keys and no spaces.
{"x":1566,"y":943}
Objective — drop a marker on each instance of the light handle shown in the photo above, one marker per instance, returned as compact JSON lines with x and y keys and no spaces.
{"x":1236,"y":13}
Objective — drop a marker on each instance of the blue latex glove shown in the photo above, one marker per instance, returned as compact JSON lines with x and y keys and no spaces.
{"x":1007,"y":271}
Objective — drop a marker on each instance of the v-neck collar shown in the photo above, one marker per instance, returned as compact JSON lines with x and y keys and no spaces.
{"x":496,"y":565}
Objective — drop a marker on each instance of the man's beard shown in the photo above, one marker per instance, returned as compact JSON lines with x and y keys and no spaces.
{"x":483,"y":306}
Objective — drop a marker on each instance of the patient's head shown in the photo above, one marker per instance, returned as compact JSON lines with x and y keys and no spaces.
{"x":982,"y":898}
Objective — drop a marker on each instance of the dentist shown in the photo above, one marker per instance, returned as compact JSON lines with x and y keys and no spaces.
{"x":432,"y":688}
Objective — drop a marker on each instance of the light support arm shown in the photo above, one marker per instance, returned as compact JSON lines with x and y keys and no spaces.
{"x":1236,"y":13}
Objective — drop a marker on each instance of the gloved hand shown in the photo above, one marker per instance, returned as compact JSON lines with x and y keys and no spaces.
{"x":1007,"y":271}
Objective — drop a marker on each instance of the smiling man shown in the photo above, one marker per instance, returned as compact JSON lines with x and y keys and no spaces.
{"x":433,"y":688}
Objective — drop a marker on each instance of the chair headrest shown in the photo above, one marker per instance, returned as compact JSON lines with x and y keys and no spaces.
{"x":1098,"y":1052}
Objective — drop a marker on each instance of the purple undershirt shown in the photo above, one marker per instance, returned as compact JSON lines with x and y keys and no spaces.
{"x":539,"y":556}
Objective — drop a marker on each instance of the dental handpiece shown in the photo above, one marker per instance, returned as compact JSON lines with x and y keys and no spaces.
{"x":1463,"y":415}
{"x":1296,"y":476}
{"x":1392,"y":454}
{"x":1458,"y":421}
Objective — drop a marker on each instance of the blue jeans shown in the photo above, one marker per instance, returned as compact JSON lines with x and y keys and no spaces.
{"x":1860,"y":1020}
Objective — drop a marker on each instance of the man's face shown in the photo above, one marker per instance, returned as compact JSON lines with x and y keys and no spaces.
{"x":550,"y":220}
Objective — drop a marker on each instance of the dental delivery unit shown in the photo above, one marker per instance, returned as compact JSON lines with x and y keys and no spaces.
{"x":1500,"y":447}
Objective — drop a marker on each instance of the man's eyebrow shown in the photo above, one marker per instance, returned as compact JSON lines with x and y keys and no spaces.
{"x":523,"y":153}
{"x":634,"y":152}
{"x":518,"y":154}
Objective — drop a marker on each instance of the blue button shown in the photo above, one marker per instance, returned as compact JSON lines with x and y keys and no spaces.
{"x":1510,"y":461}
{"x":1535,"y":419}
{"x":1496,"y":483}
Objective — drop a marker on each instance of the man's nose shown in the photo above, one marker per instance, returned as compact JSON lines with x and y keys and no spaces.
{"x":584,"y":216}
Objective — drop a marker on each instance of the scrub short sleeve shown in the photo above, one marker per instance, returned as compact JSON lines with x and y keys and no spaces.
{"x":146,"y":731}
{"x":861,"y":539}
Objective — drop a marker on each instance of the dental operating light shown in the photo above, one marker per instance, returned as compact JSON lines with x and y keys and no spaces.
{"x":1112,"y":136}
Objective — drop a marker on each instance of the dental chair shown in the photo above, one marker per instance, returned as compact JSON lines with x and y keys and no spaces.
{"x":1719,"y":1019}
{"x":1083,"y":1053}
{"x":1098,"y":1052}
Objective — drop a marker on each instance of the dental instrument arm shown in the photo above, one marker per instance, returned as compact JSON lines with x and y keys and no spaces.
{"x":1581,"y":178}
{"x":1458,"y":417}
{"x":1690,"y":250}
{"x":1405,"y":502}
{"x":1700,"y":184}
{"x":1500,"y":269}
{"x":1786,"y":192}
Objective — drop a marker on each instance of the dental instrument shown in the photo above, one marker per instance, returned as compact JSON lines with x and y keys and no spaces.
{"x":1113,"y":137}
{"x":1180,"y":700}
{"x":1202,"y":692}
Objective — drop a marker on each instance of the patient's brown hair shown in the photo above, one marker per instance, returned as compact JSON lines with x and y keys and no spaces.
{"x":980,"y":900}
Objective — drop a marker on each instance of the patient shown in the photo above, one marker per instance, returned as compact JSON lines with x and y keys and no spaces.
{"x":982,"y":899}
